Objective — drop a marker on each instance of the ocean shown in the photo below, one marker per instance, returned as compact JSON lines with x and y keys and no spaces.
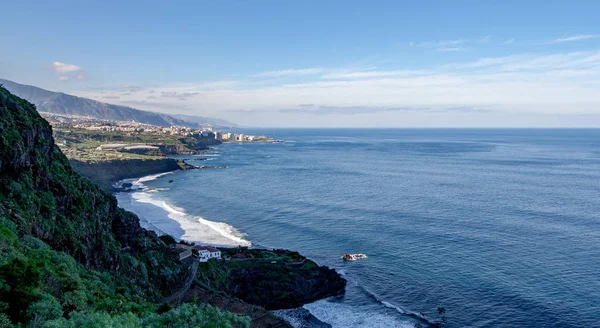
{"x":501,"y":227}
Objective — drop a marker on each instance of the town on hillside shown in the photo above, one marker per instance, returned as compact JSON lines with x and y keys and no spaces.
{"x":132,"y":127}
{"x":89,"y":138}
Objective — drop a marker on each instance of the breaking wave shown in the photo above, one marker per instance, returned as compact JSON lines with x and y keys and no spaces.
{"x":157,"y":215}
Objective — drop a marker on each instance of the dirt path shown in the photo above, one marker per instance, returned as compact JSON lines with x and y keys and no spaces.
{"x":177,"y":296}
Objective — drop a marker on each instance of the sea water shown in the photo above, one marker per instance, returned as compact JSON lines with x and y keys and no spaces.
{"x":499,"y":226}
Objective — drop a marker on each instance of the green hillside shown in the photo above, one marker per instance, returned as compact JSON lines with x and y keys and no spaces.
{"x":69,"y":257}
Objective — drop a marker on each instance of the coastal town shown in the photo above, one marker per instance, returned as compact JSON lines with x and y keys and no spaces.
{"x":62,"y":121}
{"x":86,"y":138}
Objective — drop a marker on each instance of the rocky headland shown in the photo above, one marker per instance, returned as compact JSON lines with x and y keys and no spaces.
{"x":70,"y":257}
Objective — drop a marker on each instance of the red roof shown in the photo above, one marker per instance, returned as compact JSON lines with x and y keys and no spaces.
{"x":208,"y":248}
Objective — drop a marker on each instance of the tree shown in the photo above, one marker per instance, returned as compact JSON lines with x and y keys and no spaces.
{"x":47,"y":308}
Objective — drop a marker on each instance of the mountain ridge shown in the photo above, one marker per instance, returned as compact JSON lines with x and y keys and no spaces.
{"x":63,"y":103}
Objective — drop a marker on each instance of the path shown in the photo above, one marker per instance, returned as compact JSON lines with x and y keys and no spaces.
{"x":176,"y":297}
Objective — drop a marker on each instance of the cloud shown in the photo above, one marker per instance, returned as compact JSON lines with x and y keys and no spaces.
{"x":441,"y":44}
{"x":131,"y":88}
{"x":573,"y":38}
{"x":248,"y":111}
{"x":444,"y":46}
{"x":158,"y":106}
{"x":290,"y":72}
{"x":356,"y":110}
{"x":342,"y":110}
{"x":178,"y":95}
{"x":64,"y":68}
{"x":509,"y":41}
{"x":529,"y":62}
{"x":111,"y":97}
{"x":372,"y":74}
{"x":80,"y":77}
{"x":449,"y":49}
{"x":63,"y":78}
{"x":503,"y":88}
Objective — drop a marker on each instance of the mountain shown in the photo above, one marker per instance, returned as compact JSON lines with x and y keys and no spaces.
{"x":204,"y":120}
{"x":62,"y":103}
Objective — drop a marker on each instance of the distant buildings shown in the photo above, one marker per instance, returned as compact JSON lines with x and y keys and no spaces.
{"x":133,"y":128}
{"x":228,"y":136}
{"x":218,"y":136}
{"x":201,"y":253}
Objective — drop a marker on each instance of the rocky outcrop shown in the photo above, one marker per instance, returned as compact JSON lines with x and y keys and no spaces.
{"x":273,"y":279}
{"x":106,"y":173}
{"x":177,"y":150}
{"x":258,"y":315}
{"x":284,"y":287}
{"x":185,"y":166}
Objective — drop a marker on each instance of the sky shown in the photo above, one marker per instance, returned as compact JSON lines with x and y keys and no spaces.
{"x":318,"y":63}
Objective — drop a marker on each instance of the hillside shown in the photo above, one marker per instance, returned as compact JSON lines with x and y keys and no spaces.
{"x":65,"y":246}
{"x":70,"y":257}
{"x":204,"y":120}
{"x":61,"y":103}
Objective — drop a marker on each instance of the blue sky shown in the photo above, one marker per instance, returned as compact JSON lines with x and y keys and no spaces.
{"x":318,"y":63}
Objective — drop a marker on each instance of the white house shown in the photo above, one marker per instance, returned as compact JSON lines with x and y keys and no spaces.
{"x":206,"y":253}
{"x":203,"y":255}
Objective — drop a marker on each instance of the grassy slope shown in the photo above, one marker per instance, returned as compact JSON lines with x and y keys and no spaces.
{"x":65,"y":246}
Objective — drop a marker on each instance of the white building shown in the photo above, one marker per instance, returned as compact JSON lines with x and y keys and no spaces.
{"x":203,"y":255}
{"x":206,"y":253}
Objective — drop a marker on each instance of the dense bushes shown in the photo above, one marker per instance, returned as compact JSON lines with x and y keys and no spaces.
{"x":187,"y":315}
{"x":66,"y":250}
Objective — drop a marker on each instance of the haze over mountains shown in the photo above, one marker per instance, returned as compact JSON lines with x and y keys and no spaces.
{"x":61,"y":103}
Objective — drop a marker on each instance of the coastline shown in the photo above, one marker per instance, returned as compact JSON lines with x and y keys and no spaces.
{"x":106,"y":173}
{"x":125,"y":190}
{"x":163,"y":218}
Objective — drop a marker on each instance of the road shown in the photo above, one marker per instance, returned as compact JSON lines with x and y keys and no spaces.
{"x":176,"y":297}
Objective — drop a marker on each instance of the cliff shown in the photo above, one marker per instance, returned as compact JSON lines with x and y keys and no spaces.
{"x":65,"y":246}
{"x":106,"y":173}
{"x":273,"y":279}
{"x":70,"y":257}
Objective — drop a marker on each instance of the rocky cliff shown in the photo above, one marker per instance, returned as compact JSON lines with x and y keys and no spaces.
{"x":106,"y":173}
{"x":273,"y":279}
{"x":70,"y":257}
{"x":63,"y":241}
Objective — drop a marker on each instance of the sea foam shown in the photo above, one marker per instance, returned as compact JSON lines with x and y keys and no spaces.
{"x":346,"y":316}
{"x":157,"y":215}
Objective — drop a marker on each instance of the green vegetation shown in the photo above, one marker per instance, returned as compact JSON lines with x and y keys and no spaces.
{"x":69,"y":257}
{"x":81,"y":144}
{"x":274,"y":279}
{"x":281,"y":255}
{"x":186,"y":315}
